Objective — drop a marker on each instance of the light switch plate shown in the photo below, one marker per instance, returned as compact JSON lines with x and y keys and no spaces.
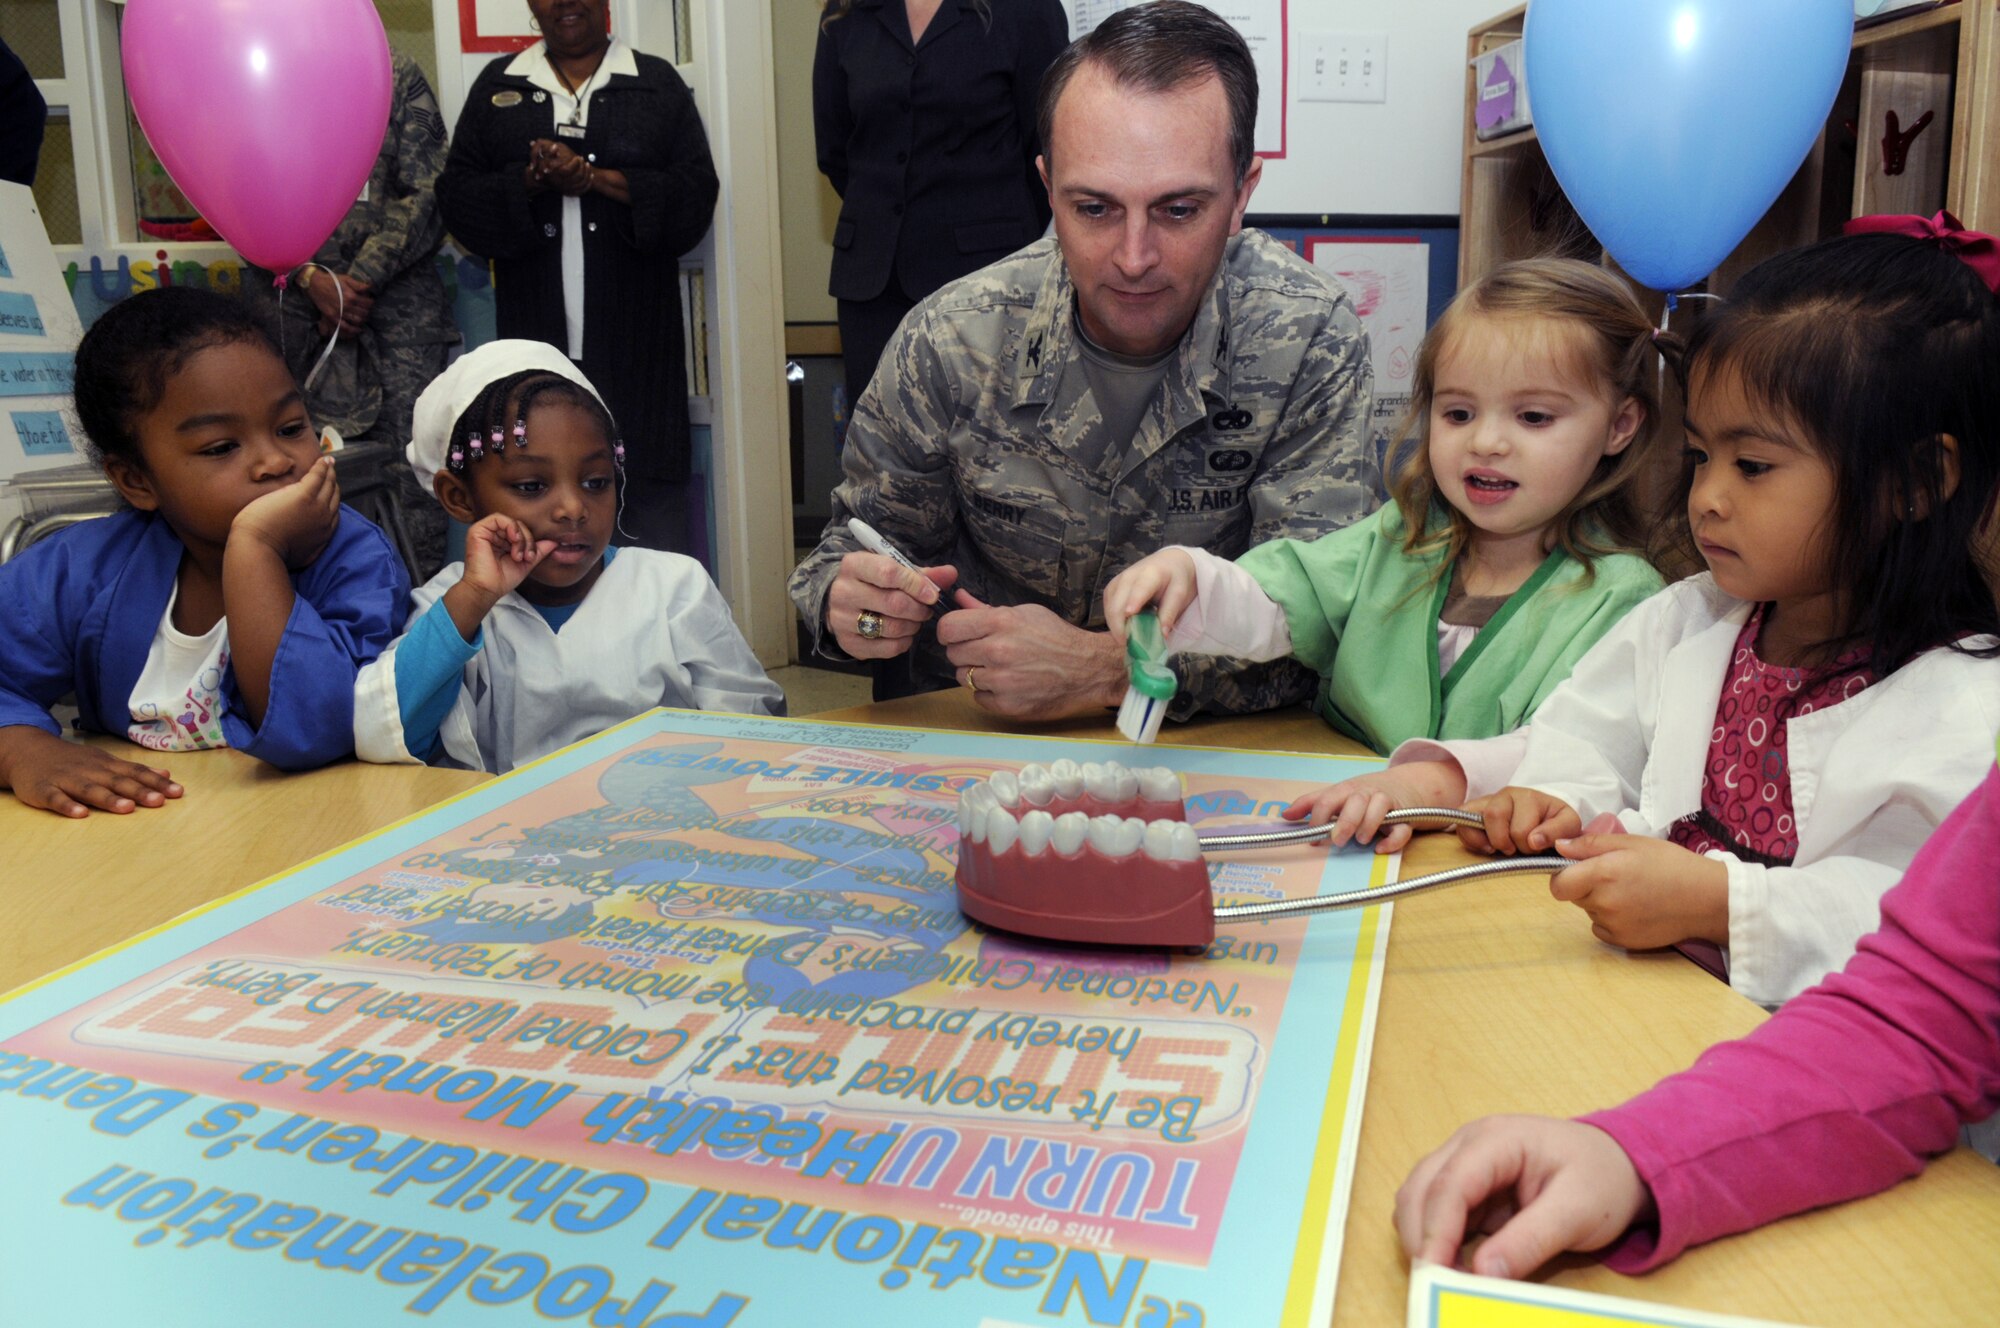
{"x":1343,"y":66}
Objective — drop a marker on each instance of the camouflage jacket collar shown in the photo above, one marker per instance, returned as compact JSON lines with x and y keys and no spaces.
{"x":1049,"y":347}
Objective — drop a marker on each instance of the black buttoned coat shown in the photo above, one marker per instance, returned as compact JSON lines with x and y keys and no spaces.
{"x":931,"y":146}
{"x":633,"y":347}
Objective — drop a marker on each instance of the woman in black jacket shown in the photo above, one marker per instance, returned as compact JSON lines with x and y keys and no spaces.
{"x":924,"y":116}
{"x":579,"y":166}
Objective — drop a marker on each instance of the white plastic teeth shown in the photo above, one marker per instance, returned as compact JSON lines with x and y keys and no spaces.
{"x":1116,"y":836}
{"x":973,"y":805}
{"x":1004,"y":811}
{"x":1036,"y":830}
{"x":1001,"y":830}
{"x":1158,"y":784}
{"x":1096,"y":780}
{"x":1068,"y":776}
{"x":1107,"y":781}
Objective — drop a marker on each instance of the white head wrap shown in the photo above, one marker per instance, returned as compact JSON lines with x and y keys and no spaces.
{"x":452,"y":391}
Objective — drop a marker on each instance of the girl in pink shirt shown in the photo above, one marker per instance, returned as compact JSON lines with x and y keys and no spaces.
{"x":1844,"y":1092}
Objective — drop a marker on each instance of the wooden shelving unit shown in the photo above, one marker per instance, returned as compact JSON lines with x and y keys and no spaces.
{"x":1944,"y":59}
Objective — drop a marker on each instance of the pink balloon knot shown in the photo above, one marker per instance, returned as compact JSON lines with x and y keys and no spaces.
{"x":282,"y":280}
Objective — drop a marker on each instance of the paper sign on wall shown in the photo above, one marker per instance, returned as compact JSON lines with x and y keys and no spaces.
{"x":39,"y":330}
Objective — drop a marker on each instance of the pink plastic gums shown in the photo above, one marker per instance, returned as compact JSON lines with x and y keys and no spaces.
{"x":1089,"y":896}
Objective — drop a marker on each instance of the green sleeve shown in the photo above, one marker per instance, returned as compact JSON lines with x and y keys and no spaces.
{"x":1317,"y":582}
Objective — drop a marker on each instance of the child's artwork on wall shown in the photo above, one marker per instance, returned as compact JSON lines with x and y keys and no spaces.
{"x":1389,"y":281}
{"x":682,"y":1026}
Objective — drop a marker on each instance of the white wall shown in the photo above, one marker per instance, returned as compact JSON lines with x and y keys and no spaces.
{"x":1398,"y":156}
{"x":1395,"y":157}
{"x":808,"y":206}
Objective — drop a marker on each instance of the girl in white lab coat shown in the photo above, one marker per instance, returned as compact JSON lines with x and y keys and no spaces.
{"x":546,"y":633}
{"x":1775,"y":738}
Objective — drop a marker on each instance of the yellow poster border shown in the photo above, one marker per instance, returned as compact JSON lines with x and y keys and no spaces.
{"x":1309,"y":1255}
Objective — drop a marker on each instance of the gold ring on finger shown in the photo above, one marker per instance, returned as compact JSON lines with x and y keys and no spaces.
{"x":868,"y":625}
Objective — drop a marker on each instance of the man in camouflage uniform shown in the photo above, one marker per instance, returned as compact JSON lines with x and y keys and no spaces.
{"x":1001,"y":446}
{"x":376,"y":278}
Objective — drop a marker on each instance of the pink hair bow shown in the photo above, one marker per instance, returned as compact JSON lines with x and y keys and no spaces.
{"x":1976,"y":249}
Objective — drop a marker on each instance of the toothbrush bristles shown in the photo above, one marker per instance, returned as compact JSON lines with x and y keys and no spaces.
{"x":1139,"y":717}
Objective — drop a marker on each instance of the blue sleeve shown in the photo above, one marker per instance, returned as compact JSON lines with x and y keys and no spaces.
{"x":39,"y":592}
{"x":350,"y":605}
{"x":430,"y":662}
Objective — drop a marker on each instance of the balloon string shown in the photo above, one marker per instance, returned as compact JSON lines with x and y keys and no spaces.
{"x":1660,"y":387}
{"x":1666,"y":315}
{"x":283,"y":282}
{"x":340,"y":312}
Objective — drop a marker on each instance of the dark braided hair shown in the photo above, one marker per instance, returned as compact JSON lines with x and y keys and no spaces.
{"x":135,"y":346}
{"x":498,"y":417}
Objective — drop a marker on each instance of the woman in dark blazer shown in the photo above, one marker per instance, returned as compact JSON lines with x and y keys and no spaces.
{"x":580,"y":157}
{"x":930,"y":143}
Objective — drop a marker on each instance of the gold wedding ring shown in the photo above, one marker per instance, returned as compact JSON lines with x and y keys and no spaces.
{"x":868,"y":625}
{"x":972,"y":677}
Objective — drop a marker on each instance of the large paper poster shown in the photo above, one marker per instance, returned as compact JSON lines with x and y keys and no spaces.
{"x":681,"y":1027}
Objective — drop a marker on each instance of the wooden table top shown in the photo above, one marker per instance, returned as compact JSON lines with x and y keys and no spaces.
{"x":1495,"y":999}
{"x":238,"y":822}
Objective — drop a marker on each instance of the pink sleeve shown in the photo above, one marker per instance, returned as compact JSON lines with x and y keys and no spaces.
{"x":1488,"y":764}
{"x":1231,"y":614}
{"x":1849,"y":1087}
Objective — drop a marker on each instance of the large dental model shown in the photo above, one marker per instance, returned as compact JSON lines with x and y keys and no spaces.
{"x":1069,"y":851}
{"x":1105,"y":855}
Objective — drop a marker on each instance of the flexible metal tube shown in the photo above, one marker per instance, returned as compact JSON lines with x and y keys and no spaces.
{"x":1278,"y":908}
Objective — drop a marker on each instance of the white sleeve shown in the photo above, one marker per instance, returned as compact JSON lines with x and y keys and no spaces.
{"x":1231,"y":615}
{"x":1791,"y":926}
{"x":1591,"y":738}
{"x":1488,"y":764}
{"x":378,"y":715}
{"x":723,"y":672}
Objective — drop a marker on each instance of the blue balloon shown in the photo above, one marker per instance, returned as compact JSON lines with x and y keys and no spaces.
{"x":1674,"y":124}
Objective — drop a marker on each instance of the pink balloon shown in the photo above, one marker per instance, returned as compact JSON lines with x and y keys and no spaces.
{"x":268,"y":114}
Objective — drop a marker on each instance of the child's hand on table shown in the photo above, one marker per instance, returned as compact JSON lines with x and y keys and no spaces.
{"x":1534,"y":1187}
{"x":297,"y":521}
{"x":1519,"y":820}
{"x":1163,"y":580}
{"x":1356,"y":806}
{"x":1644,"y":893}
{"x":500,"y":552}
{"x":70,"y":779}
